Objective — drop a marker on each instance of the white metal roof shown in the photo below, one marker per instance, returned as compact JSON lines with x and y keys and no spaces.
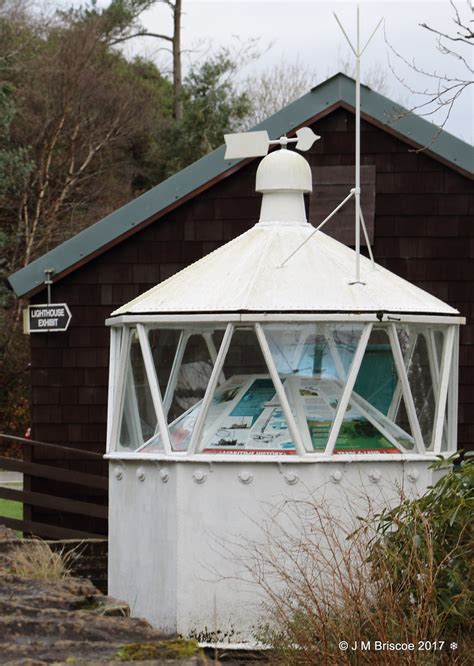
{"x":245,"y":275}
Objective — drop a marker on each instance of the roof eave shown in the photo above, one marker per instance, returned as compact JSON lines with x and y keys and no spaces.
{"x":214,"y":317}
{"x":323,"y":99}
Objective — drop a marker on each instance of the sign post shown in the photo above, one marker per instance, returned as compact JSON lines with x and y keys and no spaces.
{"x":46,"y":318}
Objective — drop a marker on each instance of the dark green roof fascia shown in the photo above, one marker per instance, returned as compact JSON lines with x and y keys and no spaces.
{"x":416,"y":129}
{"x":337,"y":89}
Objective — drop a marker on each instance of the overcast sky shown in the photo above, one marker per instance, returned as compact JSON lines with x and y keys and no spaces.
{"x":306,"y":31}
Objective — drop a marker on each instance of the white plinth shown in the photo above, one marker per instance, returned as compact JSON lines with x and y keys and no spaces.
{"x":178,"y":531}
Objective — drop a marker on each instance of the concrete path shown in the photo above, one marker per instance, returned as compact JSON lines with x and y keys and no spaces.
{"x":11,"y":478}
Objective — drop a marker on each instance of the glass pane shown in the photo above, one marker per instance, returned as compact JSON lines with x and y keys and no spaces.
{"x":192,"y":377}
{"x":375,"y":421}
{"x":163,"y":345}
{"x":318,"y":399}
{"x":422,"y":347}
{"x":313,"y":361}
{"x":184,"y":361}
{"x":438,"y":335}
{"x":401,"y":420}
{"x":364,"y":432}
{"x":422,"y":378}
{"x":245,"y":415}
{"x":377,"y":376}
{"x":298,"y":349}
{"x":139,"y":421}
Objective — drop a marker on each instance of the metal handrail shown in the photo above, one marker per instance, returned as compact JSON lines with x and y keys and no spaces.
{"x":35,"y":442}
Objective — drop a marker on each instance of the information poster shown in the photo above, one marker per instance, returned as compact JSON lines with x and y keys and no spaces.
{"x":245,"y":416}
{"x":255,"y":424}
{"x":356,"y":435}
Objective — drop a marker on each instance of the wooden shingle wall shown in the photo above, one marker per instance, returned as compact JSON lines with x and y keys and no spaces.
{"x":424,"y":232}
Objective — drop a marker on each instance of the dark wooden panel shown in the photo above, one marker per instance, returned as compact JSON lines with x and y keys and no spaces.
{"x":54,"y":502}
{"x":54,"y":447}
{"x":56,"y":473}
{"x":331,"y":185}
{"x":45,"y":529}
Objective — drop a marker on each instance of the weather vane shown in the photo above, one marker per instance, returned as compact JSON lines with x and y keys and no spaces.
{"x":256,"y":144}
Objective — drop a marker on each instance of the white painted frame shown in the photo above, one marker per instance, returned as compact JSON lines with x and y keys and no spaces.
{"x":428,"y":334}
{"x":453,"y":396}
{"x":177,"y":320}
{"x":435,"y":378}
{"x":445,"y":373}
{"x":114,"y":356}
{"x":300,"y":414}
{"x":274,"y":459}
{"x":178,"y":359}
{"x":405,"y":387}
{"x":131,"y":412}
{"x":210,"y":390}
{"x":154,"y":387}
{"x":120,"y":387}
{"x":218,"y":423}
{"x":280,"y":391}
{"x":348,"y":388}
{"x":364,"y":406}
{"x":173,"y":378}
{"x":397,"y":394}
{"x":379,"y":422}
{"x":211,"y":347}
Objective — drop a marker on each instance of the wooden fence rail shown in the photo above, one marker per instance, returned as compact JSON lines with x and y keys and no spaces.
{"x":44,"y":500}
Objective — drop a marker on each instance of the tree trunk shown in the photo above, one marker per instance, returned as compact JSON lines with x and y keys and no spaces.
{"x":177,"y":83}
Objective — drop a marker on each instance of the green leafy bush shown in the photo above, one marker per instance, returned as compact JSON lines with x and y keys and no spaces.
{"x":432,"y":538}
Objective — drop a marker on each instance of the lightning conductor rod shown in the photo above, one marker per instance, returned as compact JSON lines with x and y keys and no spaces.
{"x":357,"y":52}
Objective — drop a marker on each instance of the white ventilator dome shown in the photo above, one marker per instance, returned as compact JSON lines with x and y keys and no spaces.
{"x":284,"y":171}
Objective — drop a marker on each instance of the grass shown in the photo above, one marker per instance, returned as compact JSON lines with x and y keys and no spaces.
{"x":175,"y":649}
{"x":10,"y":509}
{"x":35,"y":559}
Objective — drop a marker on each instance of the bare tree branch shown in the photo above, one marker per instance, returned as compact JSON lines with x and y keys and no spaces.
{"x":140,"y":33}
{"x":443,"y":90}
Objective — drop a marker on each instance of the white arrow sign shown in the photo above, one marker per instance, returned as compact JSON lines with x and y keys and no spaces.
{"x":47,"y":318}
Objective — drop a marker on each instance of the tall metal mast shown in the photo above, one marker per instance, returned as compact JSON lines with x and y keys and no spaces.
{"x":357,"y":155}
{"x":358,"y":53}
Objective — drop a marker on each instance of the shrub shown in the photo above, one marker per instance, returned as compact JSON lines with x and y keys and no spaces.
{"x":405,"y":575}
{"x":432,"y":539}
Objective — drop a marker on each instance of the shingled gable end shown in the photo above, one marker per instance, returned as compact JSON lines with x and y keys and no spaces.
{"x":422,"y":205}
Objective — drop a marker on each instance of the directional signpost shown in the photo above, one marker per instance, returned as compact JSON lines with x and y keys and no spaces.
{"x":47,"y":318}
